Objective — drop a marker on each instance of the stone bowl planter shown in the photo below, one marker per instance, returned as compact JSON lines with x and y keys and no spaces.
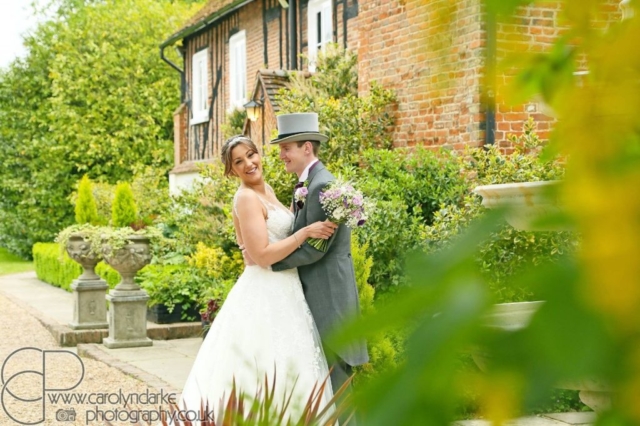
{"x":506,"y":316}
{"x":525,"y":202}
{"x":595,"y":394}
{"x":128,"y":260}
{"x":80,"y":249}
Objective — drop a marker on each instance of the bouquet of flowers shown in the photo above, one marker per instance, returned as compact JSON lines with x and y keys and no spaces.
{"x":343,"y":204}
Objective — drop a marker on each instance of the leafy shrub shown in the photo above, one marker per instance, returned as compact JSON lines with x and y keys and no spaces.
{"x":103,"y":194}
{"x":216,"y":263}
{"x":422,"y":179}
{"x":123,"y":211}
{"x":275,"y":175}
{"x":220,"y":269}
{"x":172,"y":285}
{"x":527,"y":163}
{"x":107,"y":273}
{"x":382,"y":352}
{"x":150,"y":188}
{"x":86,"y":210}
{"x":362,"y":268}
{"x":390,"y":232}
{"x":352,"y":123}
{"x":203,"y":214}
{"x":234,"y":122}
{"x":509,"y":250}
{"x":336,"y":72}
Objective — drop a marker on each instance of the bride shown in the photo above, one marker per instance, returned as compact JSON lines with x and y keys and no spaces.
{"x":265,"y":327}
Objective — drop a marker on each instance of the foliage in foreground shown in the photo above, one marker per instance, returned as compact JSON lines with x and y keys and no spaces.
{"x":589,"y":327}
{"x":261,"y":409}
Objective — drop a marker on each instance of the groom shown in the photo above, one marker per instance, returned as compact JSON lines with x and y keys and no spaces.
{"x":327,"y":278}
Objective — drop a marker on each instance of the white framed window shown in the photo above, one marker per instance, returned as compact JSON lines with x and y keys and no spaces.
{"x":320,"y":28}
{"x":200,"y":87}
{"x":238,"y":69}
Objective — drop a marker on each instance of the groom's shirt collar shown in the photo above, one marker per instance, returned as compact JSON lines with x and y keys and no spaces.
{"x":305,"y":174}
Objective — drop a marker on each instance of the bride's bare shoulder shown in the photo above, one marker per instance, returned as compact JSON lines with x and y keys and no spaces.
{"x":247,"y":200}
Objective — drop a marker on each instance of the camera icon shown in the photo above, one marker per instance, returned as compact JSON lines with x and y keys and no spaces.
{"x":68,"y":415}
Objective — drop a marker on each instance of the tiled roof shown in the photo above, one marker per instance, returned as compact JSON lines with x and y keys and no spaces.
{"x":208,"y":13}
{"x":273,"y":81}
{"x":209,"y":8}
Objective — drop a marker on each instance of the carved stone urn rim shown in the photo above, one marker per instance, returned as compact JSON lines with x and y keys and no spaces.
{"x":96,"y":255}
{"x":527,"y":202}
{"x":516,"y":193}
{"x":128,"y":259}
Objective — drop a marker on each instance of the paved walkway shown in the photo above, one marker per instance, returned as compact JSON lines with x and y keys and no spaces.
{"x":166,"y":364}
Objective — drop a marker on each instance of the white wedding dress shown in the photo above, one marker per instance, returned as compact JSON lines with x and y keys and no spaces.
{"x":265,"y":325}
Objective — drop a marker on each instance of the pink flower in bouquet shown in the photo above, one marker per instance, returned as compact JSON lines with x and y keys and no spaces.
{"x":343,"y":204}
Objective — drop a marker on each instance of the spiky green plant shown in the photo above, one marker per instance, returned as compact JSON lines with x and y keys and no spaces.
{"x":261,"y":409}
{"x":123,"y":211}
{"x":86,"y":210}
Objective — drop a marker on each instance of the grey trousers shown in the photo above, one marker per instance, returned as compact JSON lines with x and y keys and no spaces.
{"x":339,"y":375}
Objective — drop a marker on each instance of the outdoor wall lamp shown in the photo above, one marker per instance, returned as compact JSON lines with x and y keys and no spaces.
{"x":253,"y":109}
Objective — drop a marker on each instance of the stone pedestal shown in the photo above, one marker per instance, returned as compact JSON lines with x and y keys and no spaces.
{"x":127,"y":319}
{"x":89,"y":307}
{"x":128,"y":302}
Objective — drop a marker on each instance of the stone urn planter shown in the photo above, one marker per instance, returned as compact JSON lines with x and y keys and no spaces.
{"x":80,"y":248}
{"x":89,"y":290}
{"x":127,"y":254}
{"x":128,"y":259}
{"x":525,"y":203}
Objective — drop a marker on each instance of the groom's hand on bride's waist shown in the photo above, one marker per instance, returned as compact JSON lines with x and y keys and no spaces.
{"x":245,"y":255}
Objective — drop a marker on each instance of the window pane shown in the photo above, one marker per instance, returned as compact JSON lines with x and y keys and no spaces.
{"x":327,"y":23}
{"x":237,"y":69}
{"x":199,"y":82}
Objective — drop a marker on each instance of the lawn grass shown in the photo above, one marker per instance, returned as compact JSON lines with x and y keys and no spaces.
{"x":11,"y":264}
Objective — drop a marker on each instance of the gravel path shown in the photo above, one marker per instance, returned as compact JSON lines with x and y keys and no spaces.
{"x":106,"y":387}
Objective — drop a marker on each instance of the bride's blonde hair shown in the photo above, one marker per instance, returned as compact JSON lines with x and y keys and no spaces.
{"x":228,"y":146}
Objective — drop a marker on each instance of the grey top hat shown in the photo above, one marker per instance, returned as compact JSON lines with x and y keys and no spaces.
{"x":298,"y":127}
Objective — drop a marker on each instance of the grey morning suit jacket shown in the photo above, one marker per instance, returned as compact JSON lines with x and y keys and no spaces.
{"x":328,"y":279}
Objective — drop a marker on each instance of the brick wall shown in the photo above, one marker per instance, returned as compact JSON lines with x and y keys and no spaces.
{"x":432,"y":53}
{"x":534,"y":29}
{"x":432,"y":63}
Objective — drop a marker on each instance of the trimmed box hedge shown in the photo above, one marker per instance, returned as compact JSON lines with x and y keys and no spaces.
{"x":60,"y":271}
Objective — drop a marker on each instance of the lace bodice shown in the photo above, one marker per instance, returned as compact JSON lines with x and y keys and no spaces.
{"x":279,"y":220}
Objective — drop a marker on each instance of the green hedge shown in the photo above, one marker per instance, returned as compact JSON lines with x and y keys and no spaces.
{"x":107,"y":273}
{"x":61,"y":272}
{"x":52,"y":269}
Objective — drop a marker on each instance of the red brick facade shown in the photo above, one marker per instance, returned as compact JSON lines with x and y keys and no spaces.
{"x":406,"y":47}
